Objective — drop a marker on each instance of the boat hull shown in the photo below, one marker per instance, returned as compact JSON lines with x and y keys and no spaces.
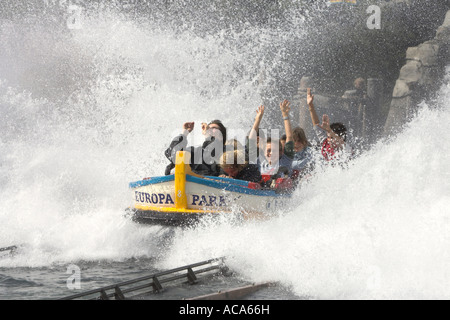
{"x":185,"y":197}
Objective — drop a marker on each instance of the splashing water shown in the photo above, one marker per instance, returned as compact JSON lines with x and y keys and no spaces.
{"x":376,"y":230}
{"x":84,"y":112}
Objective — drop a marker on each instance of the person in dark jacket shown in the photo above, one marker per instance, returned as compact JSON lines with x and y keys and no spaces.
{"x":205,"y":158}
{"x":234,"y":164}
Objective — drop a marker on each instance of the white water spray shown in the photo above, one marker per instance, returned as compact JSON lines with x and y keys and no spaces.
{"x":84,"y":113}
{"x":377,"y":230}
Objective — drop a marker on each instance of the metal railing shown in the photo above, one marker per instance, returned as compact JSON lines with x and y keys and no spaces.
{"x":154,"y":282}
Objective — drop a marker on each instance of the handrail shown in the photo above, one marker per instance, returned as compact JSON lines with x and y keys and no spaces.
{"x":156,"y":281}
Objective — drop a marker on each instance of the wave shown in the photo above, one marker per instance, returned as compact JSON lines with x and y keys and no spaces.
{"x":85,"y":111}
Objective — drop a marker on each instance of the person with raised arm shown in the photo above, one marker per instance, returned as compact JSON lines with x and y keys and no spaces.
{"x":282,"y":165}
{"x":205,"y":158}
{"x":253,"y":145}
{"x":332,"y":137}
{"x":303,"y":161}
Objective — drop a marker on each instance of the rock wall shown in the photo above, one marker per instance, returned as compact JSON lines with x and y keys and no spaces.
{"x":419,"y":78}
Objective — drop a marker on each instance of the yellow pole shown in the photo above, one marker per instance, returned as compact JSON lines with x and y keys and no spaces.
{"x":181,"y":165}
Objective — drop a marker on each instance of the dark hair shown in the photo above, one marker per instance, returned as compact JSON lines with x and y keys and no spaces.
{"x":283,"y":137}
{"x":339,"y":129}
{"x":222,"y":129}
{"x":299,"y":135}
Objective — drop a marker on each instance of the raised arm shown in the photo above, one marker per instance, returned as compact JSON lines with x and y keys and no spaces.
{"x":179,"y":142}
{"x":312,"y":110}
{"x":188,"y":127}
{"x":258,"y":118}
{"x":284,"y":107}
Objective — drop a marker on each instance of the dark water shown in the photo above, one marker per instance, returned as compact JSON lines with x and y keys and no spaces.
{"x":50,"y":283}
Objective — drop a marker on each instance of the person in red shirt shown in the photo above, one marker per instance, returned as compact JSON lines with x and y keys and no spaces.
{"x":332,"y":137}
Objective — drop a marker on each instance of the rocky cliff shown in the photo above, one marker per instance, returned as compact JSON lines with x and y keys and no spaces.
{"x":420,"y":77}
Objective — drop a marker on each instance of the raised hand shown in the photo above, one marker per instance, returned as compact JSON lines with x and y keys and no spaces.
{"x":310,"y":100}
{"x":284,"y":107}
{"x":258,"y":118}
{"x":260,"y":112}
{"x":204,"y":127}
{"x":309,"y":97}
{"x":325,"y":123}
{"x":189,"y":126}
